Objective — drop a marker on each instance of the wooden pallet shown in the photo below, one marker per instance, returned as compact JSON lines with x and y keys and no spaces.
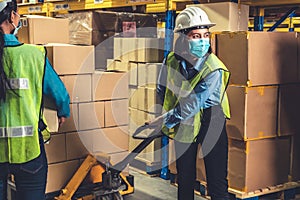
{"x":287,"y":191}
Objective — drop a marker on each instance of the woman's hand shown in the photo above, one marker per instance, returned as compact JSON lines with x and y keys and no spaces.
{"x":157,"y":122}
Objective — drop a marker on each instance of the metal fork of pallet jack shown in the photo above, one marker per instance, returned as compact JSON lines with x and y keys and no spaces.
{"x":111,"y":177}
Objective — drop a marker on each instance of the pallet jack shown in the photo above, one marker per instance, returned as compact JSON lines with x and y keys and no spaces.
{"x":111,"y":185}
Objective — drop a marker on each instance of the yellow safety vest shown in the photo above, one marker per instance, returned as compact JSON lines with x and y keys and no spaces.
{"x":178,"y":87}
{"x":21,"y":112}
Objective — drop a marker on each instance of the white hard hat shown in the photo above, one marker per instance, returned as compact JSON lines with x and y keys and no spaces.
{"x":192,"y":17}
{"x":3,"y":4}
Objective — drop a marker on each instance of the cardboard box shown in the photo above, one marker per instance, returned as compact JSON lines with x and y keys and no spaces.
{"x":51,"y":120}
{"x":83,"y":21}
{"x":137,"y":97}
{"x":109,"y":85}
{"x":79,"y":87}
{"x":110,"y":140}
{"x":258,"y":164}
{"x":152,"y":104}
{"x":98,"y":28}
{"x":76,"y":146}
{"x":151,"y":154}
{"x":103,"y":52}
{"x":289,"y":109}
{"x":139,"y":49}
{"x":118,"y":157}
{"x":128,"y":24}
{"x":133,"y":75}
{"x":116,"y":113}
{"x":43,"y":30}
{"x":114,"y":21}
{"x":79,"y":144}
{"x":56,"y":149}
{"x":295,"y":155}
{"x":228,"y":16}
{"x":89,"y":37}
{"x":253,"y":112}
{"x":71,"y":124}
{"x":117,"y":65}
{"x":145,"y":99}
{"x":71,"y":59}
{"x":148,"y":73}
{"x":84,"y":28}
{"x":172,"y":158}
{"x":138,"y":118}
{"x":59,"y":175}
{"x":259,"y":58}
{"x":115,"y":158}
{"x":91,"y":115}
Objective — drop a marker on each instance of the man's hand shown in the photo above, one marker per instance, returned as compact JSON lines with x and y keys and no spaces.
{"x":61,"y":120}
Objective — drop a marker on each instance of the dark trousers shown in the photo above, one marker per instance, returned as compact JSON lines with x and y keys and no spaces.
{"x":214,"y":143}
{"x":30,"y":177}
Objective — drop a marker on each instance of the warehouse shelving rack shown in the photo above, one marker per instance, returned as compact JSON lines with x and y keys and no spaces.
{"x":49,"y":8}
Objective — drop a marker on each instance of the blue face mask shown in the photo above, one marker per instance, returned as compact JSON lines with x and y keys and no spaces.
{"x":199,"y":47}
{"x":17,"y":27}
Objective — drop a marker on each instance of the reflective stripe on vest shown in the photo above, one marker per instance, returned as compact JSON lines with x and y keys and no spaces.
{"x":178,"y":88}
{"x":20,"y":113}
{"x":21,"y":131}
{"x":18,"y":83}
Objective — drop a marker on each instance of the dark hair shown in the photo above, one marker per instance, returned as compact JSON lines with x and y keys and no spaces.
{"x":5,"y":14}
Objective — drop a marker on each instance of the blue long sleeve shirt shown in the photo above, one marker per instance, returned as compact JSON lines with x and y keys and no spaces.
{"x":53,"y":87}
{"x":205,"y":95}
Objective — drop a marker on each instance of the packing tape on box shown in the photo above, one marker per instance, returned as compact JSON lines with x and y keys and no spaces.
{"x":261,"y":91}
{"x":247,"y":148}
{"x":232,"y":34}
{"x":261,"y":134}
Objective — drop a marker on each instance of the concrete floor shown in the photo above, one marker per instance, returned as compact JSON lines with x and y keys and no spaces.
{"x":153,"y":188}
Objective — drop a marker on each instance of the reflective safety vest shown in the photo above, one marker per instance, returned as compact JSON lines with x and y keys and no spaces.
{"x":178,"y":88}
{"x":24,"y":66}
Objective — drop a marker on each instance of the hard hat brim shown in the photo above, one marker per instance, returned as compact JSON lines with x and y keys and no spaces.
{"x":176,"y":30}
{"x":3,"y":4}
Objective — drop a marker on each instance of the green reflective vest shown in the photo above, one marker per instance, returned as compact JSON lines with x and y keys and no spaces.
{"x":21,"y":112}
{"x":178,"y":87}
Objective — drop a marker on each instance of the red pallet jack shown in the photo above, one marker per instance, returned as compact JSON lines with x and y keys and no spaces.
{"x":111,"y":185}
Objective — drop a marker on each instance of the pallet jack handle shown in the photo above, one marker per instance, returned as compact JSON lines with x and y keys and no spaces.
{"x":156,"y":133}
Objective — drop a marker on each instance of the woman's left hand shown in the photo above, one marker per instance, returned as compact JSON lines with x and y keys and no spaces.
{"x":157,"y":122}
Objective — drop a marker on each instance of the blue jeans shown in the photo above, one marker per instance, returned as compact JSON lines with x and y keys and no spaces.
{"x":30,"y":177}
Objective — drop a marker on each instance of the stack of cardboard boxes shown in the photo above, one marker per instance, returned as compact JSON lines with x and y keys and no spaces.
{"x":126,"y":42}
{"x":263,"y":91}
{"x":141,"y":58}
{"x":99,"y":105}
{"x":99,"y":28}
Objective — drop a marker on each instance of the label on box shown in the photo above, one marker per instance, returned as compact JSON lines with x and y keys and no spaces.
{"x":129,"y":29}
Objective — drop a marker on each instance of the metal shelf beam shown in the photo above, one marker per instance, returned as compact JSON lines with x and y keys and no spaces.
{"x":270,"y":2}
